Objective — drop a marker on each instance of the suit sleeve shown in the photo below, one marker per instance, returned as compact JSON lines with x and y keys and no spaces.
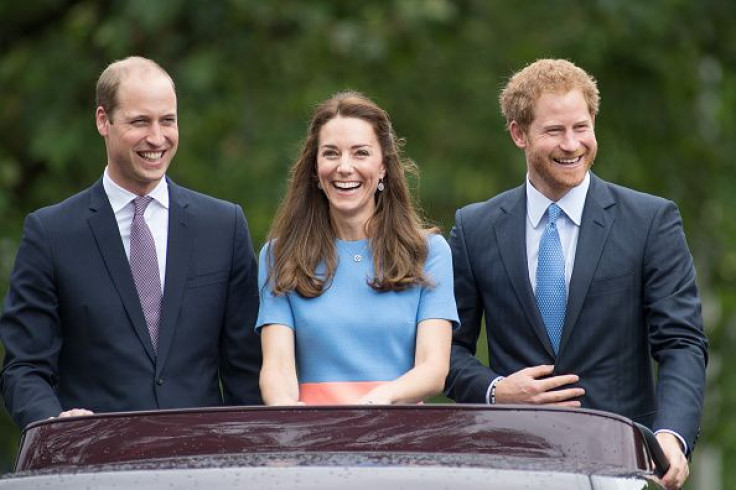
{"x":240,"y":349}
{"x":30,"y":330}
{"x":468,"y":379}
{"x":677,"y":341}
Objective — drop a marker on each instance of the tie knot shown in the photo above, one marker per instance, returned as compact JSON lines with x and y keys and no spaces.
{"x":140,"y":204}
{"x":553,"y":212}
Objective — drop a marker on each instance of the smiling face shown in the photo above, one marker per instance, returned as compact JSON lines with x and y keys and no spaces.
{"x":349,"y":166}
{"x":142,"y":134}
{"x":560,"y":144}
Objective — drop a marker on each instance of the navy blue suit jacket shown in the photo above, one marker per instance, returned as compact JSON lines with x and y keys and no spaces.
{"x":74,"y":331}
{"x":632,"y":298}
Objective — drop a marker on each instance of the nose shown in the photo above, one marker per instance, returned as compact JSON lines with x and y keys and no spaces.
{"x":345,"y":165}
{"x":155,"y":135}
{"x":570,"y":142}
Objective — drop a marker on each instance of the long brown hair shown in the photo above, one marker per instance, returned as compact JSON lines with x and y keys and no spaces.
{"x":303,"y":236}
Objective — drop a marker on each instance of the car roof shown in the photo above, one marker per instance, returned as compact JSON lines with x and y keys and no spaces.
{"x":377,"y":440}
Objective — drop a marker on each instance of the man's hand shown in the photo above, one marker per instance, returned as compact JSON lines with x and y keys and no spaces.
{"x":679,"y":470}
{"x":75,"y":412}
{"x":525,"y":386}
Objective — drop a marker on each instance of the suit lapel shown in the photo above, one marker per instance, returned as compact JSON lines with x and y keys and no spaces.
{"x":595,"y":226}
{"x":510,"y":232}
{"x":179,"y":250}
{"x":107,"y":235}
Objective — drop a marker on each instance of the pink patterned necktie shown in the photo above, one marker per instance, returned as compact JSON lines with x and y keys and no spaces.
{"x":144,"y":266}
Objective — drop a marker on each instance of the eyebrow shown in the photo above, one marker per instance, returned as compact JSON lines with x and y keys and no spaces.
{"x":561,"y":125}
{"x":147,"y":116}
{"x":329,"y":145}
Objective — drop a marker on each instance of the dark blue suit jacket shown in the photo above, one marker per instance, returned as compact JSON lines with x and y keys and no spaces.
{"x":74,"y":331}
{"x":632,"y":295}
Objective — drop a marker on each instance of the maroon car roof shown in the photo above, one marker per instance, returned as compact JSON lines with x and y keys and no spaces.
{"x":569,"y":438}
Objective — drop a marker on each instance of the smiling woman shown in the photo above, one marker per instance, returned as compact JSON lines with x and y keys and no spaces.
{"x":355,"y":290}
{"x":350,"y":169}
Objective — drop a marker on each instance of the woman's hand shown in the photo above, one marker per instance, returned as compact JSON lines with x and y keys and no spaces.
{"x":380,"y":395}
{"x":427,"y":377}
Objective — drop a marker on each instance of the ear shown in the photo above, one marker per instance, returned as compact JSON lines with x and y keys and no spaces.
{"x":382,"y":172}
{"x":102,"y":121}
{"x":518,"y":135}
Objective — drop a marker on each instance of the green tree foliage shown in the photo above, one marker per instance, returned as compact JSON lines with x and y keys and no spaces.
{"x":249,"y":73}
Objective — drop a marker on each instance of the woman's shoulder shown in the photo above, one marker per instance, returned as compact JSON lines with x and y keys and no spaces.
{"x":435,"y":239}
{"x":267,"y":250}
{"x":436,"y":244}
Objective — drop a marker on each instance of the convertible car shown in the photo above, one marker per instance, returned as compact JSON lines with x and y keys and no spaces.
{"x":367,"y":447}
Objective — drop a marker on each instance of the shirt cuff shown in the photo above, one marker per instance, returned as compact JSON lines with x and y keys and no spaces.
{"x":679,"y":438}
{"x":491,"y":391}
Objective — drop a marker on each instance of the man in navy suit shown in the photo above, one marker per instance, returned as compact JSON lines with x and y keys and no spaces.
{"x":626,"y":279}
{"x":77,"y":329}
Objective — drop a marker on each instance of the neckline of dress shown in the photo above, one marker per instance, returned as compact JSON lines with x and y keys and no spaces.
{"x":357,"y":250}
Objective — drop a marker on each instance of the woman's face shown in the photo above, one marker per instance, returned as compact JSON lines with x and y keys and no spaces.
{"x":349,"y":166}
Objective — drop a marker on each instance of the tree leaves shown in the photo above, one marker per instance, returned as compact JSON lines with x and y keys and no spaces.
{"x":249,"y":74}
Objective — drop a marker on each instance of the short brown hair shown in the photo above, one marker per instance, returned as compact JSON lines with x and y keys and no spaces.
{"x":525,"y":87}
{"x":109,"y":82}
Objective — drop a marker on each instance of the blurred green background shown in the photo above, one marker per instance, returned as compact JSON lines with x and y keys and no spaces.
{"x":249,"y":73}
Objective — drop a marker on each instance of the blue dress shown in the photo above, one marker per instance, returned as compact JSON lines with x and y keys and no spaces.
{"x":352,"y":338}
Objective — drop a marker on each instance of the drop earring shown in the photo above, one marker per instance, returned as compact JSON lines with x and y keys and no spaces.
{"x":381,"y":187}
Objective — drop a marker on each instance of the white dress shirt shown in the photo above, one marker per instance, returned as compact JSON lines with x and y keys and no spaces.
{"x":568,"y":225}
{"x":156,"y":216}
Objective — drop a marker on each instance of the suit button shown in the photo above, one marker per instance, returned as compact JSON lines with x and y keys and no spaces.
{"x":159,"y":381}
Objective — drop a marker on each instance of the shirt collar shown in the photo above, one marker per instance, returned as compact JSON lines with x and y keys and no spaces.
{"x":572,"y":203}
{"x":119,"y":197}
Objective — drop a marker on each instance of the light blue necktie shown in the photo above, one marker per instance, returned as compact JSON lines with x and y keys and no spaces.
{"x":551,"y":294}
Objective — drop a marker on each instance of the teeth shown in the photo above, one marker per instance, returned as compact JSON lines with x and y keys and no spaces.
{"x":347,"y":185}
{"x":151,"y":155}
{"x":567,"y":160}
